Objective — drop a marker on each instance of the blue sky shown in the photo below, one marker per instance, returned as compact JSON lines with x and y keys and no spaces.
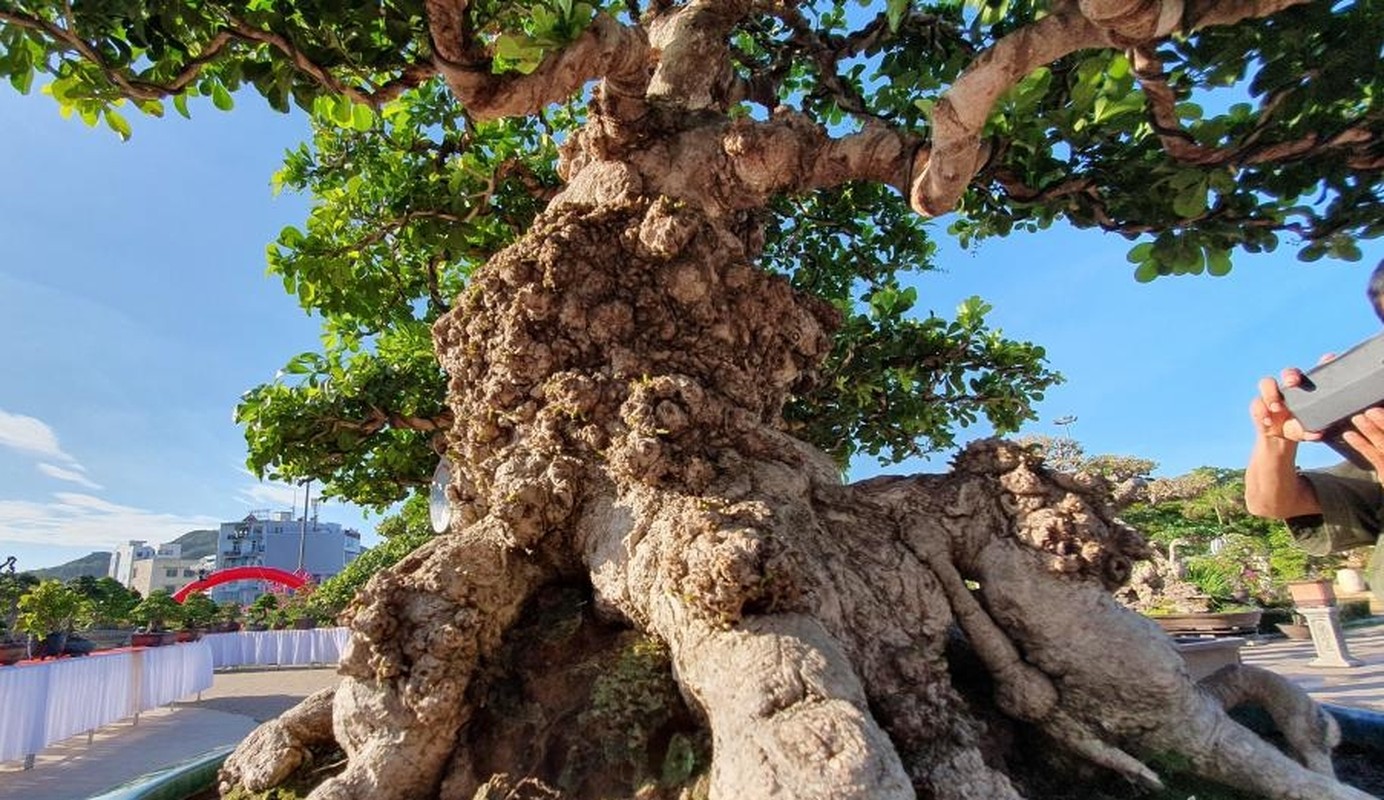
{"x":134,"y":309}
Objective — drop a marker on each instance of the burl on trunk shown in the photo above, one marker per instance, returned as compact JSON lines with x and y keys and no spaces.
{"x":617,"y":378}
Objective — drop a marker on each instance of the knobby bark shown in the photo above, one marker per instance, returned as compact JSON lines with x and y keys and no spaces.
{"x":616,"y":383}
{"x":616,"y":378}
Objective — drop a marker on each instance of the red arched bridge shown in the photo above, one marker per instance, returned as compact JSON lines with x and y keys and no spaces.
{"x":281,"y":577}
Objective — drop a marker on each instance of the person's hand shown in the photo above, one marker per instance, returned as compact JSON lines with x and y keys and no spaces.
{"x":1366,"y":437}
{"x":1273,"y":419}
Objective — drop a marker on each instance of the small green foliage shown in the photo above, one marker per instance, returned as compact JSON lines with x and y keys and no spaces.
{"x":52,"y":607}
{"x":631,"y":700}
{"x":157,"y":611}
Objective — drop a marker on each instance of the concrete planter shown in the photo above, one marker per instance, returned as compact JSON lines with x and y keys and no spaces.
{"x":1205,"y":656}
{"x":1211,"y":623}
{"x":1312,"y":594}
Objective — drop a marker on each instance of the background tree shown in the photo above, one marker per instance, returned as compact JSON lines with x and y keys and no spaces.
{"x":157,"y":611}
{"x":657,"y":252}
{"x":52,"y":608}
{"x":109,"y":600}
{"x":199,"y":611}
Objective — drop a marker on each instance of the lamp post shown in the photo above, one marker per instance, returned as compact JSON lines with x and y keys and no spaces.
{"x":303,"y":526}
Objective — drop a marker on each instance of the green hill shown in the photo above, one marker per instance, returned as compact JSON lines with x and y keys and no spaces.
{"x":94,"y":564}
{"x":195,"y":544}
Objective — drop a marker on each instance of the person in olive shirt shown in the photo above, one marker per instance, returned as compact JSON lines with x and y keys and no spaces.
{"x":1327,"y":510}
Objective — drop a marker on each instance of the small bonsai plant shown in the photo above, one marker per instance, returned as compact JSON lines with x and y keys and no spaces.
{"x":48,"y":614}
{"x":262,"y":611}
{"x":199,"y":612}
{"x":155,"y":612}
{"x":228,"y":616}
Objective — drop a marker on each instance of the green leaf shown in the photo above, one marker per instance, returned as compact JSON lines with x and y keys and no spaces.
{"x":1217,"y":261}
{"x":117,"y":123}
{"x":362,"y":118}
{"x":221,"y":98}
{"x":1140,"y":253}
{"x":22,"y":81}
{"x":894,"y":11}
{"x":180,"y":105}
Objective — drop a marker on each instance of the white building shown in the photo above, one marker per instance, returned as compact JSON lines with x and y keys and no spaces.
{"x":316,"y":550}
{"x":123,"y":560}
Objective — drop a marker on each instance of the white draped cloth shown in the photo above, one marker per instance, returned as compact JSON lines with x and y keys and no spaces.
{"x":48,"y":701}
{"x":287,"y":647}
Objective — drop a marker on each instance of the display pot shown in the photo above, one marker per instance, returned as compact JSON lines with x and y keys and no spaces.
{"x":10,"y":652}
{"x":1312,"y":594}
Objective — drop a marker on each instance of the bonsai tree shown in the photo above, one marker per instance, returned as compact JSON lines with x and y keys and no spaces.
{"x":50,"y":611}
{"x":157,"y":611}
{"x":199,"y":611}
{"x":109,"y":600}
{"x":263,"y":611}
{"x":636,"y":271}
{"x":228,"y":614}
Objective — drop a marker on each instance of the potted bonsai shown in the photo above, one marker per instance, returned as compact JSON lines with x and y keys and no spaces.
{"x":153,"y":614}
{"x":262,"y":612}
{"x":228,"y":617}
{"x":48,"y":614}
{"x":199,"y":612}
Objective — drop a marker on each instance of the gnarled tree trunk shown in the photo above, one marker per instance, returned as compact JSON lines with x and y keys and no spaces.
{"x":617,"y":378}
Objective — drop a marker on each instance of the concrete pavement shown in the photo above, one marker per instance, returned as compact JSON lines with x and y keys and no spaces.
{"x":239,"y":699}
{"x":236,"y":703}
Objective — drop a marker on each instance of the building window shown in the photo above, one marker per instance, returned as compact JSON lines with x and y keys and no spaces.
{"x":170,"y":572}
{"x":187,"y":573}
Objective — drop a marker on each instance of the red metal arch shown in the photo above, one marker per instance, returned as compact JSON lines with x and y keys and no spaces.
{"x":219,"y":577}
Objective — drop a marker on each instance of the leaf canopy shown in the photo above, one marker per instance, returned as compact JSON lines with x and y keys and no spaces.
{"x":438,"y":128}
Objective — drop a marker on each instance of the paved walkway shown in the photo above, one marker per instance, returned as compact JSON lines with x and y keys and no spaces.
{"x":240,"y":699}
{"x":236,"y":703}
{"x":1359,"y":687}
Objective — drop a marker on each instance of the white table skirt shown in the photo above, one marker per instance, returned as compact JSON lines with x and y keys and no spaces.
{"x":49,"y":701}
{"x":246,"y":648}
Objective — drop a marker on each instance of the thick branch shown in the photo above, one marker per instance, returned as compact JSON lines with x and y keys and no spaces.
{"x":605,"y":50}
{"x":379,"y":419}
{"x":791,"y":155}
{"x":1178,"y":143}
{"x":960,"y":115}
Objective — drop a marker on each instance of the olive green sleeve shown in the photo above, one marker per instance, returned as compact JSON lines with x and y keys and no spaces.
{"x":1352,"y":501}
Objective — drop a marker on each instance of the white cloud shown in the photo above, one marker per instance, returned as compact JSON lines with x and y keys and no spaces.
{"x":30,"y":435}
{"x":80,"y":520}
{"x":273,"y":496}
{"x":75,"y":475}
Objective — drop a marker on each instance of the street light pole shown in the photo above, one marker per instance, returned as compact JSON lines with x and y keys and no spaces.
{"x":303,"y":527}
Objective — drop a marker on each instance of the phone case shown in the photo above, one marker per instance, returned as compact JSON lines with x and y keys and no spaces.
{"x":1333,"y":392}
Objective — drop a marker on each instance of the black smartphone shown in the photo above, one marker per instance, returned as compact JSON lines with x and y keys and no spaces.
{"x":1331,"y":393}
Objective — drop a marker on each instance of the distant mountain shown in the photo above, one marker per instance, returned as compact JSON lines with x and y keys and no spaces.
{"x":94,"y":564}
{"x":195,"y":545}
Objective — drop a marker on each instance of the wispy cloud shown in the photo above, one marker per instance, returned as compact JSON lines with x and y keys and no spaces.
{"x":75,"y":475}
{"x":273,"y":496}
{"x":72,"y":519}
{"x":30,"y":435}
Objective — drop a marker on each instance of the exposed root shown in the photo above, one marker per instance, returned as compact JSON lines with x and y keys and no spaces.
{"x":789,"y":718}
{"x":276,"y":749}
{"x":417,"y":635}
{"x":1309,"y":730}
{"x":1044,"y":576}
